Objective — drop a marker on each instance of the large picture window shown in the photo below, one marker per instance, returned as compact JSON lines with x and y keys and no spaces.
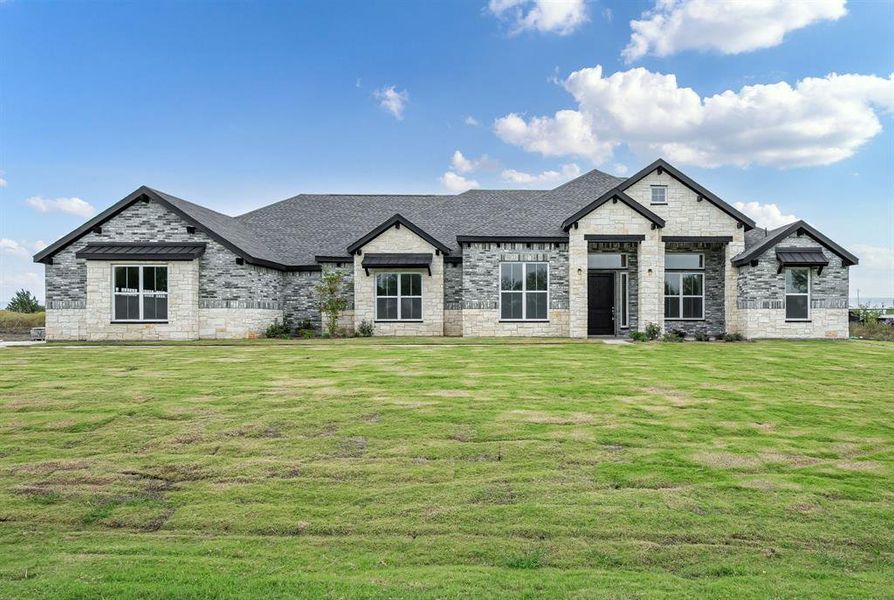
{"x":140,"y":293}
{"x":398,"y":296}
{"x":523,"y":291}
{"x":684,"y":295}
{"x":797,"y":294}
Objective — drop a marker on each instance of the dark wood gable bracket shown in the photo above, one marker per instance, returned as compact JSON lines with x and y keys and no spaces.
{"x":396,"y":221}
{"x":615,"y":195}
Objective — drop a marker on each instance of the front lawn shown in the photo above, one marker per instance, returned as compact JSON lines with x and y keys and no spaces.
{"x":448,"y":471}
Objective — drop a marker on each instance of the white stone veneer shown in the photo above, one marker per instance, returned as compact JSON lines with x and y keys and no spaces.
{"x":770,"y":323}
{"x":235,"y":323}
{"x":486,"y":323}
{"x":453,"y":322}
{"x":401,"y":240}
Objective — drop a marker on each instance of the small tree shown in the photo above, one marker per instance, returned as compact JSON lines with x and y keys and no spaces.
{"x":24,"y":302}
{"x":332,"y":301}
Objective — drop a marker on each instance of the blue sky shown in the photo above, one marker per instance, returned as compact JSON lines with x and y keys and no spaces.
{"x":239,"y":104}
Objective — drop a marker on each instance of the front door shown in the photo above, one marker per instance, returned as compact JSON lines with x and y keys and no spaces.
{"x":601,"y":304}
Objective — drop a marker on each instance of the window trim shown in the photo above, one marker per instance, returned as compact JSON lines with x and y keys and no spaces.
{"x":809,"y":293}
{"x":524,"y":291}
{"x":652,"y":195}
{"x":399,"y":296}
{"x":140,"y":293}
{"x":681,"y":296}
{"x":701,"y":261}
{"x":624,"y":304}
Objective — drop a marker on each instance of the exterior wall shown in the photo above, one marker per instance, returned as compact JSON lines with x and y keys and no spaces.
{"x":401,"y":240}
{"x":221,"y":283}
{"x":453,"y":299}
{"x":300,"y":295}
{"x":685,"y":215}
{"x":235,"y":323}
{"x":762,"y":296}
{"x":617,"y":219}
{"x":481,"y":288}
{"x":714,"y":322}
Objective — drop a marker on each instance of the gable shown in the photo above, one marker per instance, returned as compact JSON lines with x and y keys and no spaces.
{"x":614,"y":197}
{"x":398,"y":232}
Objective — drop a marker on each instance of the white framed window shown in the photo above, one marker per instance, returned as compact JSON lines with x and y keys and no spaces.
{"x":684,"y":260}
{"x":659,"y":194}
{"x":524,"y":291}
{"x":606,"y":260}
{"x":398,"y":296}
{"x":625,"y":300}
{"x":797,"y":294}
{"x":684,"y":296}
{"x":140,"y":293}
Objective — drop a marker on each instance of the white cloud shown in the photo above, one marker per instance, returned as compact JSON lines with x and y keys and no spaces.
{"x":620,"y":169}
{"x":874,"y":276}
{"x":765,"y":215}
{"x":38,"y":246}
{"x":472,"y":121}
{"x":12,"y":248}
{"x":461,"y":164}
{"x":72,"y":206}
{"x":729,"y":27}
{"x":3,"y":182}
{"x":568,"y":171}
{"x":546,"y":16}
{"x":818,"y":121}
{"x":392,"y":100}
{"x":457,"y":183}
{"x":29,"y":278}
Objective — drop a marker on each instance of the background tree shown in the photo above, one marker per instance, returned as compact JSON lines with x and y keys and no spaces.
{"x":332,"y":300}
{"x":24,"y":302}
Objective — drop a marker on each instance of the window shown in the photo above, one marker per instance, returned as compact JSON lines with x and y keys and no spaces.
{"x":681,"y":260}
{"x":684,"y":295}
{"x":606,"y":260}
{"x":523,"y":291}
{"x":797,"y":294}
{"x":659,"y":194}
{"x":624,"y":301}
{"x":140,"y":293}
{"x":398,"y":296}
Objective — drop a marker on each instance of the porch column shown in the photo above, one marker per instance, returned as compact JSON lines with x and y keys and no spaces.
{"x":650,"y":277}
{"x":730,"y":278}
{"x":577,"y":283}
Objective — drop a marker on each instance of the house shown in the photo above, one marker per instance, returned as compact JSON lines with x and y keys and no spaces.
{"x":599,"y":255}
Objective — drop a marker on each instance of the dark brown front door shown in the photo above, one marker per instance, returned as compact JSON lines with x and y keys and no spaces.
{"x":601,"y":304}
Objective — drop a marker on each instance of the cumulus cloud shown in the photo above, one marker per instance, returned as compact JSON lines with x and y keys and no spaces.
{"x":818,"y":121}
{"x":72,"y":206}
{"x":457,"y":183}
{"x":765,"y":215}
{"x":392,"y":100}
{"x":461,"y":164}
{"x":12,"y":248}
{"x":546,"y":16}
{"x":727,"y":27}
{"x":567,"y":171}
{"x":3,"y":182}
{"x":472,"y":121}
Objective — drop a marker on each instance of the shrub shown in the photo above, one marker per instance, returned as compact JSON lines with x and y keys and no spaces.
{"x":679,"y":332}
{"x":733,"y":337}
{"x":702,"y":336}
{"x":279,"y":330}
{"x":305,"y":328}
{"x":870,"y":327}
{"x":332,"y":300}
{"x":653,"y":331}
{"x":365,"y":329}
{"x":672,"y":336}
{"x":24,"y":302}
{"x":638,"y":336}
{"x":19,"y":322}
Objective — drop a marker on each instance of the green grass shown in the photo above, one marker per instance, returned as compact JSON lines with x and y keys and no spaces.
{"x":359,"y":469}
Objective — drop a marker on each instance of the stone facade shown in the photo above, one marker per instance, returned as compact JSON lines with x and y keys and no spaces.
{"x":299,"y":295}
{"x":231,"y":323}
{"x":714,"y":322}
{"x":401,"y":240}
{"x":761,"y":296}
{"x":481,"y":288}
{"x":632,"y":270}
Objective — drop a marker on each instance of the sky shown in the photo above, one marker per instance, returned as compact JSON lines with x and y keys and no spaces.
{"x":783,"y":108}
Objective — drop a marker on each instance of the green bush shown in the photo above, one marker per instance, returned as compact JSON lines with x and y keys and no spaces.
{"x":672,"y":336}
{"x":18,"y":322}
{"x":702,"y":336}
{"x":279,"y":330}
{"x":733,"y":337}
{"x":870,"y":327}
{"x":638,"y":336}
{"x":653,"y":331}
{"x":365,"y":329}
{"x":305,"y":328}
